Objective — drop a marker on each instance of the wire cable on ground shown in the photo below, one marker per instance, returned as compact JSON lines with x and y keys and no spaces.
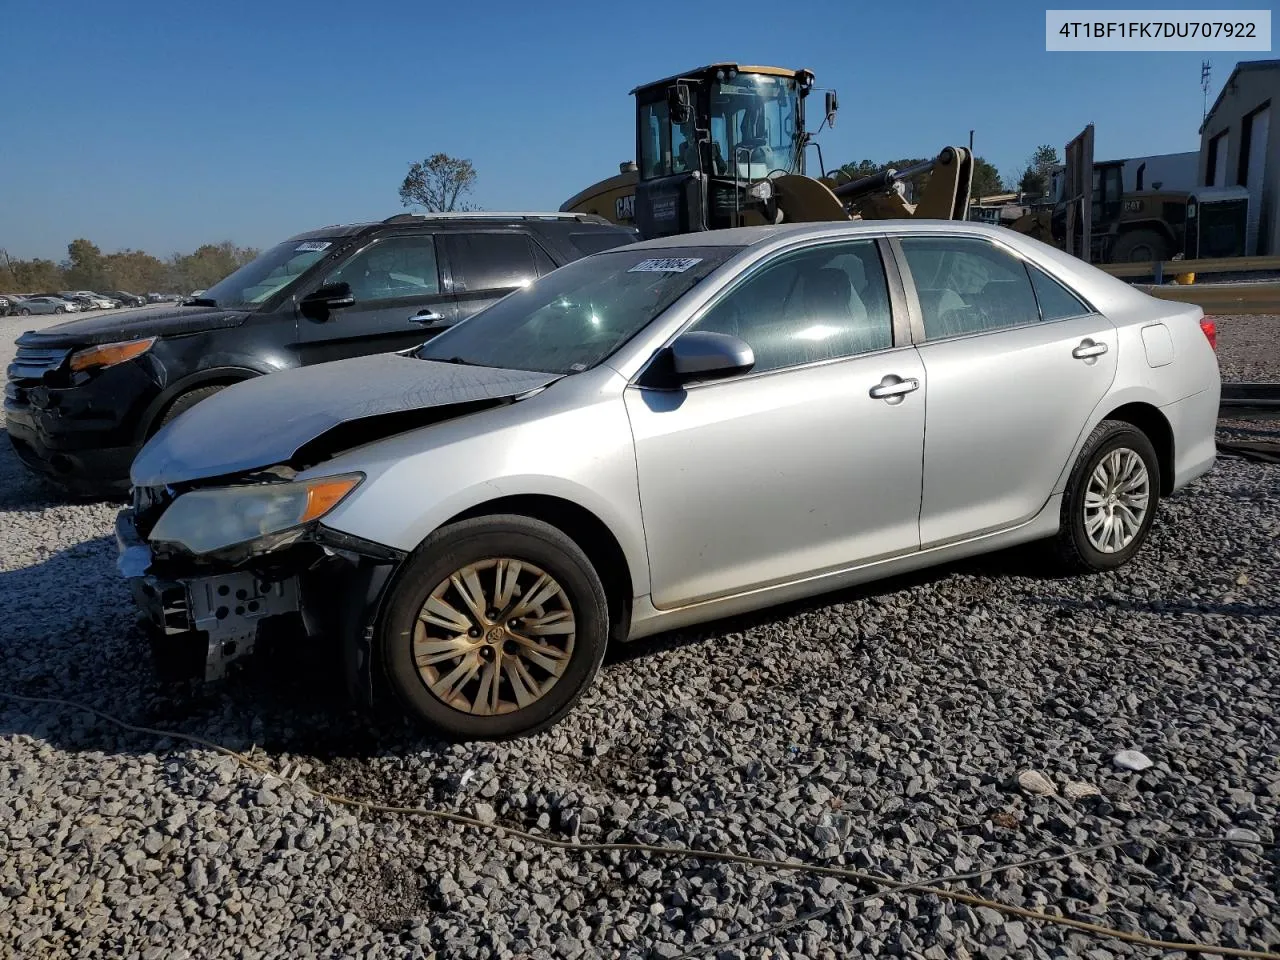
{"x":888,"y":884}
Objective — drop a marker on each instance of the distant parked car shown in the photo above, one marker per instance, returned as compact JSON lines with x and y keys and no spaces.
{"x":8,"y":304}
{"x":31,"y":305}
{"x":92,"y":301}
{"x":129,"y":299}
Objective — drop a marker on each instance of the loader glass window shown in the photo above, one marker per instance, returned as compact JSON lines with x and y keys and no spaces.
{"x":664,"y":149}
{"x":753,"y":122}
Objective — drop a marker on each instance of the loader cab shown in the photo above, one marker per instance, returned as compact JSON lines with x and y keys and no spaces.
{"x":704,"y":138}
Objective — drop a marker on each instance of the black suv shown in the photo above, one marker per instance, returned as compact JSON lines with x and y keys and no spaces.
{"x":82,"y":397}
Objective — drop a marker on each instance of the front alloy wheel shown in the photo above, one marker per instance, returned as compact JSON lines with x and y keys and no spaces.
{"x":495,"y":628}
{"x":494,"y":637}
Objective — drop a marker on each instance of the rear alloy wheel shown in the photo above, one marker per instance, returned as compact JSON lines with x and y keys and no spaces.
{"x":1111,"y":499}
{"x":497,"y":628}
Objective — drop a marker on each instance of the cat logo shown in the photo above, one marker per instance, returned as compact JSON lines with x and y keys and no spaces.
{"x":1132,"y":206}
{"x":625,"y":208}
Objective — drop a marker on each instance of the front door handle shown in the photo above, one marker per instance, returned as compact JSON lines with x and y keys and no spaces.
{"x":1088,"y":349}
{"x":427,"y":316}
{"x":892,"y":388}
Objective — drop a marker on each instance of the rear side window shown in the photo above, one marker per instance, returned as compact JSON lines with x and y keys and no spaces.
{"x":595,"y":241}
{"x":968,"y":286}
{"x":490,"y":261}
{"x":1056,"y":301}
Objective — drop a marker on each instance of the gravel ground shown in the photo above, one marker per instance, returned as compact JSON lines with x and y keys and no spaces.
{"x":879,"y":729}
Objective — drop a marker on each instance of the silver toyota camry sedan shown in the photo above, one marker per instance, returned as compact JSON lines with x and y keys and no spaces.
{"x":660,"y":435}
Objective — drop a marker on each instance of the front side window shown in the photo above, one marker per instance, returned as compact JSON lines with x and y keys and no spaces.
{"x":579,"y":315}
{"x":391,"y":269}
{"x":490,"y":261}
{"x":820,"y":304}
{"x":968,"y":286}
{"x":753,"y":126}
{"x":267,"y":274}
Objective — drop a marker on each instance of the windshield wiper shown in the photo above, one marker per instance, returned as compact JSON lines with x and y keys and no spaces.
{"x":199,"y":302}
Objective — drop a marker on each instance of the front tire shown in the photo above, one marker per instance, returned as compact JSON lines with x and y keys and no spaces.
{"x":495,"y":630}
{"x":25,"y":312}
{"x":188,"y":400}
{"x":59,"y":310}
{"x":1141,"y":246}
{"x":1110,"y":500}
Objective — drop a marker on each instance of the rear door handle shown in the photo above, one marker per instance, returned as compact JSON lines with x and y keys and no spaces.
{"x":894,"y":386}
{"x":1089,"y":349}
{"x":427,"y":316}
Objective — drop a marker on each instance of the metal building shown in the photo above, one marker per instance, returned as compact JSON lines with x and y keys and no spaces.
{"x":1239,"y":146}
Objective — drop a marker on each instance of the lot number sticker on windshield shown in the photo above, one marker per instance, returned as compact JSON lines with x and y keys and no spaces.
{"x":311,"y":246}
{"x":665,"y":265}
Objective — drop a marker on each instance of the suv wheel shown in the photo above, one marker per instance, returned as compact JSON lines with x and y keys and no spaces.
{"x":1110,"y":500}
{"x":188,"y":400}
{"x":495,"y":630}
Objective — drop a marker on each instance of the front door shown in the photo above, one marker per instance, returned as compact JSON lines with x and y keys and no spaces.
{"x":399,"y":302}
{"x":808,"y":463}
{"x":1015,"y":364}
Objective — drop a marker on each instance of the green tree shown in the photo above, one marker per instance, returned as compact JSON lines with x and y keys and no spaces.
{"x":136,"y":272}
{"x":208,"y":264}
{"x":438,"y":183}
{"x":36,"y":276}
{"x":1036,"y":176}
{"x":84,"y":268}
{"x":986,"y":179}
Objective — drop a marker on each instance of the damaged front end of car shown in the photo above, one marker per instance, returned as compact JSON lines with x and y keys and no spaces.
{"x":225,"y":543}
{"x":217,"y":569}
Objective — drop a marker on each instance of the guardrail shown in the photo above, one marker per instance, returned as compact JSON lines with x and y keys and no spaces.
{"x":1207,"y":265}
{"x":1221,"y":298}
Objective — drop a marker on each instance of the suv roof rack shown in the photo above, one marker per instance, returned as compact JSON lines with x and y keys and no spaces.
{"x":487,"y":215}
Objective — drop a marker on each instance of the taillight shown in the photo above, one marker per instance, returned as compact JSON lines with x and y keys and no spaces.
{"x":1210,"y":328}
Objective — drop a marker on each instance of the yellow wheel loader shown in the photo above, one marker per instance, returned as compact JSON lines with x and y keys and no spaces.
{"x":725,"y":146}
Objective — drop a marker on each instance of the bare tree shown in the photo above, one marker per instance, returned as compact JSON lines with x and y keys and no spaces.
{"x":437,"y":183}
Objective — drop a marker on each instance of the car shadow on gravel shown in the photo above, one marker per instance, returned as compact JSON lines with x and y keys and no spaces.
{"x":21,"y":491}
{"x":70,"y":633}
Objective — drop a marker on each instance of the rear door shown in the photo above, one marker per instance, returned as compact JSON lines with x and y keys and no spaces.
{"x":487,"y":264}
{"x":398,"y":290}
{"x":1015,"y":364}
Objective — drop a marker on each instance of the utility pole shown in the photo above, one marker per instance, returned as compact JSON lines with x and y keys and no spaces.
{"x":1205,"y":68}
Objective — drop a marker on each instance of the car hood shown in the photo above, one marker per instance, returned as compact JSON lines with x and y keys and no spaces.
{"x":132,"y":323}
{"x":268,"y":420}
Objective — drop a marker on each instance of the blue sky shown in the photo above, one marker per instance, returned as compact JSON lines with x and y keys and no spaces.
{"x":161,"y":125}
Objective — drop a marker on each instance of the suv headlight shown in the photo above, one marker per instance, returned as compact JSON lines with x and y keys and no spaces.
{"x":109,"y":354}
{"x":207,"y":520}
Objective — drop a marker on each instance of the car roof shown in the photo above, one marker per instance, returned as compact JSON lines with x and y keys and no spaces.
{"x":336,"y":230}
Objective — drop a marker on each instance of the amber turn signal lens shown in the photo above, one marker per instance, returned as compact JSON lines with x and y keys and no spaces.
{"x":109,"y":354}
{"x":324,"y":495}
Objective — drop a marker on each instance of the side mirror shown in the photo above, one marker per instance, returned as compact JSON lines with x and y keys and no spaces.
{"x":832,"y":105}
{"x":332,"y":296}
{"x":678,"y":103}
{"x":702,"y":355}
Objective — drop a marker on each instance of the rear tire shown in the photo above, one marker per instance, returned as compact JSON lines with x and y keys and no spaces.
{"x":1110,"y":500}
{"x":188,"y":400}
{"x":25,"y":312}
{"x":59,"y":310}
{"x":515,"y":670}
{"x":1140,"y":246}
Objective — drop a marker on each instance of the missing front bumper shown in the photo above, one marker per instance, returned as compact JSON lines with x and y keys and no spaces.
{"x":199,"y":625}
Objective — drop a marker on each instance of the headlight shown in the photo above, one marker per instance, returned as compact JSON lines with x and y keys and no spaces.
{"x":108,"y":354}
{"x":206,"y":520}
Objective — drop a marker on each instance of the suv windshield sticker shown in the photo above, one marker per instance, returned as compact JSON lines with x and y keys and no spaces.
{"x":665,"y":265}
{"x":311,"y":246}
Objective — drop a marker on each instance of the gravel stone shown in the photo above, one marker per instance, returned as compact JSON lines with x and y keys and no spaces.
{"x":936,"y":689}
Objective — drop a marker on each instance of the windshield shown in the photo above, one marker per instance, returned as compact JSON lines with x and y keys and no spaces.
{"x":578,"y":315}
{"x":271,"y":271}
{"x":753,"y":123}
